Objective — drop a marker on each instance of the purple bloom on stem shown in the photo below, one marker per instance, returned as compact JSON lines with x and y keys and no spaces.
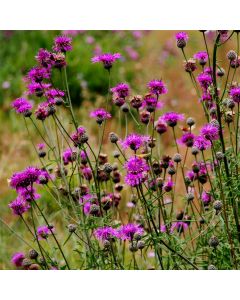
{"x":202,"y":57}
{"x":54,"y":93}
{"x":28,"y":194}
{"x":37,"y":88}
{"x":157,"y":87}
{"x":105,"y":233}
{"x":44,"y":58}
{"x":62,"y":44}
{"x":210,"y":132}
{"x":180,"y":226}
{"x":235,"y":94}
{"x":76,"y":136}
{"x":69,"y":156}
{"x":87,"y":173}
{"x":187,"y":139}
{"x":160,"y":126}
{"x":205,"y":80}
{"x":121,"y":90}
{"x":100,"y":113}
{"x":37,"y":74}
{"x":42,"y":111}
{"x":41,"y":146}
{"x":17,"y":259}
{"x":136,"y":171}
{"x":171,"y":118}
{"x":22,"y":105}
{"x":107,"y":59}
{"x":126,"y":232}
{"x":43,"y":232}
{"x":168,"y":185}
{"x":206,"y":197}
{"x":134,"y":141}
{"x":19,"y":206}
{"x":24,"y":178}
{"x":201,"y":143}
{"x":181,"y":38}
{"x":151,"y":103}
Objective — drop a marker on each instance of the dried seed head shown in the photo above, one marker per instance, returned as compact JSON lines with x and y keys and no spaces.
{"x":72,"y":228}
{"x":213,"y":241}
{"x":219,"y":155}
{"x":116,"y":154}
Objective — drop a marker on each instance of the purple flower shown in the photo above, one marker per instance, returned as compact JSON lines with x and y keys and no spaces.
{"x":121,"y":90}
{"x":181,"y":38}
{"x":134,"y":141}
{"x":206,"y":197}
{"x":160,"y":126}
{"x":202,"y":57}
{"x":210,"y":132}
{"x":107,"y":59}
{"x":62,"y":44}
{"x":187,"y":139}
{"x":42,"y":111}
{"x":180,"y":226}
{"x":43,"y":232}
{"x":151,"y":103}
{"x":19,"y":206}
{"x":28,"y":194}
{"x":105,"y":233}
{"x":168,"y":185}
{"x":76,"y":136}
{"x":190,"y":175}
{"x":54,"y":93}
{"x":44,"y":58}
{"x":24,"y":178}
{"x":157,"y":87}
{"x":201,"y":143}
{"x":126,"y":232}
{"x":100,"y":114}
{"x":37,"y":74}
{"x":87,"y":173}
{"x":136,"y":171}
{"x":37,"y":88}
{"x":205,"y":80}
{"x":17,"y":259}
{"x":171,"y":118}
{"x":22,"y":105}
{"x":69,"y":156}
{"x":235,"y":94}
{"x":41,"y":146}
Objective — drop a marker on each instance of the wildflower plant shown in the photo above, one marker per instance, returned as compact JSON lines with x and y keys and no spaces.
{"x":181,"y":211}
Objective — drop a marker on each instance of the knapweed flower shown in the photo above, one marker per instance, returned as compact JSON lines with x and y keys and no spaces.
{"x":19,"y":206}
{"x":202,"y":57}
{"x":160,"y":126}
{"x":181,"y":38}
{"x":201,"y":143}
{"x":51,"y":94}
{"x":44,"y":110}
{"x":171,"y":118}
{"x":187,"y":139}
{"x":151,"y":103}
{"x":69,"y":156}
{"x":36,"y":88}
{"x":100,"y":114}
{"x":105,"y":233}
{"x":17,"y":259}
{"x":107,"y":59}
{"x":235,"y":94}
{"x":24,"y":178}
{"x":22,"y":106}
{"x":78,"y":135}
{"x":180,"y":226}
{"x":206,"y":197}
{"x":62,"y":44}
{"x":41,"y":146}
{"x":157,"y":87}
{"x":210,"y":132}
{"x":168,"y":185}
{"x":37,"y":74}
{"x":28,"y":194}
{"x":121,"y":90}
{"x":134,"y":141}
{"x":136,"y":171}
{"x":87,"y":173}
{"x":190,"y":65}
{"x":205,"y":80}
{"x":127,"y":232}
{"x":44,"y":58}
{"x":43,"y":232}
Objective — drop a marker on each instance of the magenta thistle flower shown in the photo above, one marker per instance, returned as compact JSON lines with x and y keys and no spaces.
{"x":105,"y":233}
{"x":121,"y":90}
{"x":151,"y":103}
{"x":136,"y":171}
{"x":187,"y":139}
{"x":210,"y":132}
{"x":157,"y":87}
{"x":17,"y":259}
{"x":127,"y":232}
{"x":235,"y":94}
{"x":54,"y":93}
{"x":22,"y":105}
{"x":201,"y":143}
{"x":206,"y":197}
{"x":37,"y":74}
{"x":100,"y":114}
{"x":42,"y":111}
{"x":69,"y":156}
{"x":76,"y":136}
{"x":171,"y":118}
{"x":205,"y":80}
{"x":180,"y":226}
{"x":37,"y":88}
{"x":202,"y":57}
{"x":87,"y":173}
{"x":134,"y":141}
{"x":41,"y":146}
{"x":168,"y":185}
{"x":43,"y":232}
{"x":44,"y":58}
{"x":160,"y":126}
{"x":28,"y":194}
{"x":19,"y":206}
{"x":181,"y":38}
{"x":62,"y":44}
{"x":107,"y":59}
{"x":24,"y":178}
